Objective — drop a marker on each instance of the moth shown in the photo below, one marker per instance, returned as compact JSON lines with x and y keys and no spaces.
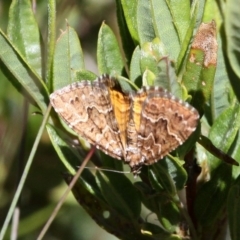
{"x":139,"y":127}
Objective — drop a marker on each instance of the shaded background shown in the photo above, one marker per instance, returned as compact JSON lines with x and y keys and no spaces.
{"x":19,"y":126}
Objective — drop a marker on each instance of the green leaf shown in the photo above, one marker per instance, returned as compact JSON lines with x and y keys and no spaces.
{"x":111,"y":163}
{"x":183,"y":149}
{"x":24,"y":33}
{"x":170,"y":174}
{"x":185,"y":45}
{"x":154,"y":60}
{"x":107,"y":217}
{"x":84,"y":75}
{"x":96,"y":207}
{"x":120,"y":194}
{"x":207,"y":144}
{"x":222,"y":90}
{"x":21,"y":74}
{"x":125,"y":84}
{"x":164,"y":27}
{"x":151,"y":54}
{"x":212,"y":11}
{"x":232,"y":28}
{"x":181,"y":21}
{"x":127,"y":41}
{"x":144,"y":22}
{"x":162,"y":204}
{"x":148,"y":59}
{"x":233,"y":210}
{"x":160,"y":179}
{"x":148,"y":78}
{"x":63,"y":149}
{"x":198,"y":7}
{"x":224,"y":131}
{"x":212,"y":196}
{"x":109,"y":56}
{"x":68,"y":58}
{"x":235,"y":153}
{"x":135,"y":70}
{"x":167,"y":78}
{"x":200,"y":69}
{"x":197,"y":10}
{"x":130,"y":13}
{"x":51,"y":38}
{"x":169,"y":213}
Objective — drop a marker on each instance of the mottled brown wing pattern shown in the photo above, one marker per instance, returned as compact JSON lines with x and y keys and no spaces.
{"x":162,"y":123}
{"x":166,"y":122}
{"x":86,"y":107}
{"x":140,"y":127}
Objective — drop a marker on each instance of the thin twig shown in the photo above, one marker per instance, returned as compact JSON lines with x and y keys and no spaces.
{"x":25,"y":173}
{"x":63,"y":198}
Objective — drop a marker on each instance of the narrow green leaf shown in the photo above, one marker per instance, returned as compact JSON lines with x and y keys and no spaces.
{"x":185,"y":45}
{"x":24,"y":175}
{"x":200,"y":69}
{"x":235,"y":153}
{"x":198,"y":7}
{"x":224,"y":130}
{"x":21,"y":75}
{"x":68,"y":58}
{"x":169,"y":214}
{"x":233,"y":210}
{"x":212,"y":196}
{"x":160,"y":199}
{"x":145,"y":27}
{"x":148,"y":78}
{"x":126,"y":85}
{"x":170,"y":174}
{"x":109,"y":56}
{"x":51,"y":41}
{"x":207,"y":144}
{"x":160,"y":179}
{"x":127,"y":41}
{"x":181,"y":21}
{"x":164,"y":27}
{"x":24,"y":33}
{"x":183,"y":149}
{"x":232,"y":28}
{"x":167,"y":78}
{"x":197,"y":10}
{"x":212,"y":11}
{"x":120,"y":194}
{"x":148,"y":59}
{"x":151,"y":54}
{"x":135,"y":70}
{"x":111,"y":163}
{"x":64,"y":151}
{"x":221,"y":91}
{"x":71,"y":159}
{"x":75,"y":49}
{"x":177,"y":172}
{"x":107,"y":217}
{"x":130,"y":13}
{"x":154,"y":59}
{"x":148,"y":196}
